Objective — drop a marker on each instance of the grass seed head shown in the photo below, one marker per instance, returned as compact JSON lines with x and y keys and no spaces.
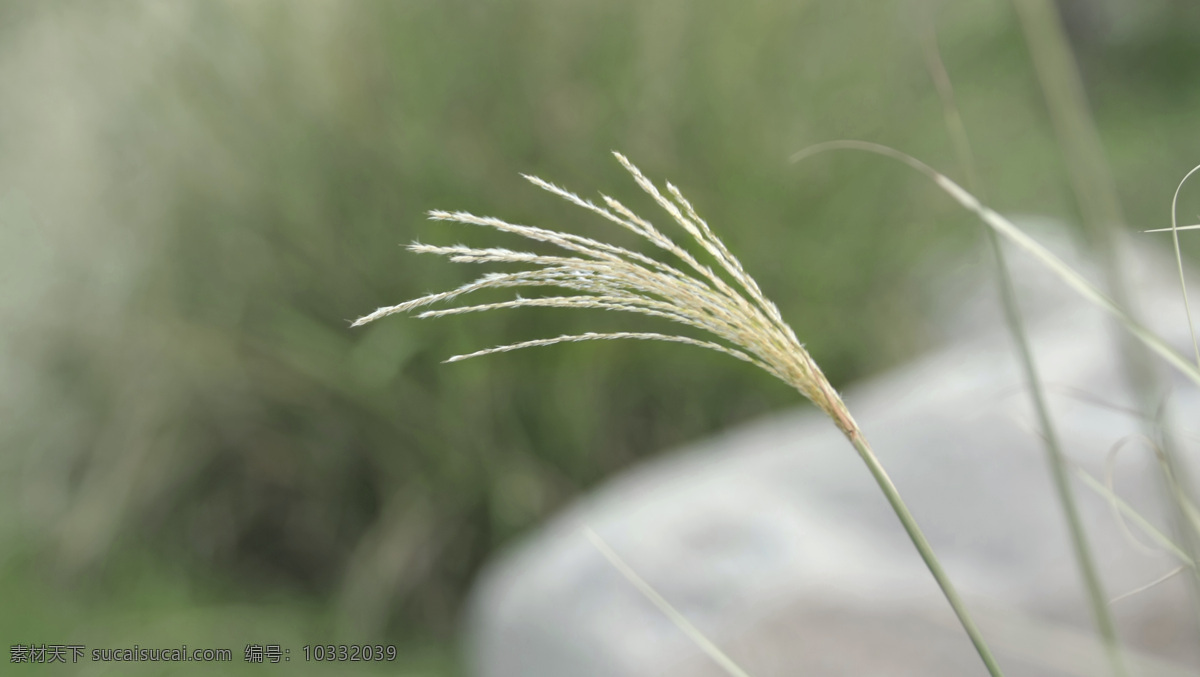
{"x":727,"y":304}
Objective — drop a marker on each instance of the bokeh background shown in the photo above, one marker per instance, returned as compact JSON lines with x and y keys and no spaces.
{"x":197,"y":197}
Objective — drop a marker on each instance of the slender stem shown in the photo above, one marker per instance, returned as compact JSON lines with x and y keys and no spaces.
{"x":1099,"y":205}
{"x":1058,"y":469}
{"x":1016,"y":327}
{"x":926,"y":551}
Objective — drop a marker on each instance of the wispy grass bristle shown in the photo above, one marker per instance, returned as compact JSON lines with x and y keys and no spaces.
{"x":1187,"y":305}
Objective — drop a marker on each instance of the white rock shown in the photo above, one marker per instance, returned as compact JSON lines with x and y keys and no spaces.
{"x":775,"y":542}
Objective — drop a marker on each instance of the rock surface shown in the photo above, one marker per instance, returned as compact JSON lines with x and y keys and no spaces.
{"x":774,"y":541}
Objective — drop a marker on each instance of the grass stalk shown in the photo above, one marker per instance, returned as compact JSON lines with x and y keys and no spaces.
{"x":1187,"y":305}
{"x":1096,"y":195}
{"x":1084,"y":558}
{"x":924,"y":549}
{"x":693,"y":633}
{"x":1009,"y":230}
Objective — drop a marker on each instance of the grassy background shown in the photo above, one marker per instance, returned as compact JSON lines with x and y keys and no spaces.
{"x":196,"y":198}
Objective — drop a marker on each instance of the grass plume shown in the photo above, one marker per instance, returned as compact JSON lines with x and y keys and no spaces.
{"x":607,"y":277}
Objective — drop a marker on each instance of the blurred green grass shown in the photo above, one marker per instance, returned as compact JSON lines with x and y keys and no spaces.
{"x":146,"y":604}
{"x":198,"y":197}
